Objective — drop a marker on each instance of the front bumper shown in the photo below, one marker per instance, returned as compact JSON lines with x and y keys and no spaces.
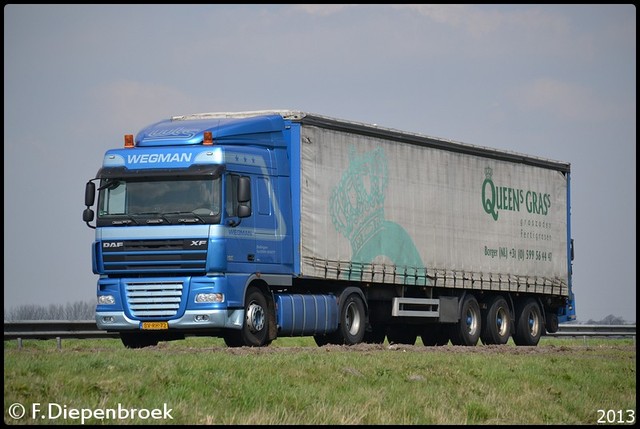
{"x":192,"y":319}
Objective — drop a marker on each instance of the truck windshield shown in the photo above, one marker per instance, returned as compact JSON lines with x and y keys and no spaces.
{"x":178,"y":200}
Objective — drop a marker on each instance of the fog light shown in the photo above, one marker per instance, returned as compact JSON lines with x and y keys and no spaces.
{"x":209,"y":297}
{"x":201,"y":318}
{"x":106,"y":299}
{"x":108,"y":319}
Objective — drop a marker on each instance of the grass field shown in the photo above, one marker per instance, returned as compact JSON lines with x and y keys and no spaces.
{"x":201,"y":381}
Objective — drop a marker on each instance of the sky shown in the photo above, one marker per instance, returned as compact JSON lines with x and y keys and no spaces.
{"x":553,"y":81}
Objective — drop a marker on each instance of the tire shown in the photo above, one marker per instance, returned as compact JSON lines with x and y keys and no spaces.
{"x":496,"y":322}
{"x":435,"y":335}
{"x":351,"y":325}
{"x":466,"y":332}
{"x":352,"y":322}
{"x":529,"y":324}
{"x":255,"y":327}
{"x":551,"y":323}
{"x":399,"y":334}
{"x":138,"y":340}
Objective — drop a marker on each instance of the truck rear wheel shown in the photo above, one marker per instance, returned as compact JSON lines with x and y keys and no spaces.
{"x":255,"y":328}
{"x":529,"y":324}
{"x":496,"y":322}
{"x":352,"y":321}
{"x":467,"y":331}
{"x":351,"y":324}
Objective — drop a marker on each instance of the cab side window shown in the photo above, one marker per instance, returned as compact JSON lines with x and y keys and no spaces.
{"x":231,"y":192}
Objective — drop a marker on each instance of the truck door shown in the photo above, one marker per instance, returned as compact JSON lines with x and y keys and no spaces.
{"x":267,"y":243}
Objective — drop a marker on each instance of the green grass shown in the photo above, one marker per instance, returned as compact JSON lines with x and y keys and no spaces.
{"x":562,"y":381}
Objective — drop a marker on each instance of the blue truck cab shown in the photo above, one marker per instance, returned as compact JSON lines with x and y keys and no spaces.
{"x":189,"y":214}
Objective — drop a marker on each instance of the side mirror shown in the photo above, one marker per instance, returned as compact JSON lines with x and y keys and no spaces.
{"x":89,"y":194}
{"x":89,"y":199}
{"x":244,"y":189}
{"x":244,"y":196}
{"x":244,"y":210}
{"x":87,"y":215}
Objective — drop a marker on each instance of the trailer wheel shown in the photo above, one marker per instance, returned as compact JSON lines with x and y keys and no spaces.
{"x":529,"y":324}
{"x":467,"y":331}
{"x":255,"y":328}
{"x":435,"y":335}
{"x":399,"y":334}
{"x":551,"y":322}
{"x":496,"y":322}
{"x":137,"y":340}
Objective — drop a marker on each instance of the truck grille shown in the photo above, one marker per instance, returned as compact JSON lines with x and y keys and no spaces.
{"x":154,"y":256}
{"x":161,"y":299}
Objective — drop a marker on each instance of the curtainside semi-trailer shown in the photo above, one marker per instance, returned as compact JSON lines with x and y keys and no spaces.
{"x":251,"y":226}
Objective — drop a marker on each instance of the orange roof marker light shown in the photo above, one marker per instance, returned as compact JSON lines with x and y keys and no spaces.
{"x":128,"y":141}
{"x":208,"y":138}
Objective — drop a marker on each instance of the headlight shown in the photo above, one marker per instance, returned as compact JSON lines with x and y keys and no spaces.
{"x":106,"y":299}
{"x":209,"y":297}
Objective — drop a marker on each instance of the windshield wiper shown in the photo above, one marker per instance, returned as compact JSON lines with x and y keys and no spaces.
{"x":128,"y":221}
{"x":160,"y":217}
{"x":194,"y":219}
{"x":122,"y":220}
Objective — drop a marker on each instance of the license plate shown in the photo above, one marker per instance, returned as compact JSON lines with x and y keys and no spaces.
{"x":155,"y":325}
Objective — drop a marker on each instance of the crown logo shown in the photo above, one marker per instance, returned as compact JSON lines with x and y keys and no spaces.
{"x":488,"y":173}
{"x":357,"y":202}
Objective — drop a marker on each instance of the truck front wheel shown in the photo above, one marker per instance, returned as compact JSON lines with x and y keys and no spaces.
{"x":255,"y":328}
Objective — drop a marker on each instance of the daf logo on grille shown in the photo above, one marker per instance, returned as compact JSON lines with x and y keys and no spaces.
{"x":113,"y":244}
{"x":198,"y":242}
